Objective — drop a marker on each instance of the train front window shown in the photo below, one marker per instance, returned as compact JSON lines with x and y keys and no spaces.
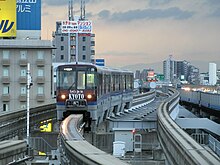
{"x":90,"y":81}
{"x":81,"y":82}
{"x":68,"y":80}
{"x":76,"y":78}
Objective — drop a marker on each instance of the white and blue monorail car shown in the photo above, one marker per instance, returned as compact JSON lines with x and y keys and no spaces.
{"x":96,"y":92}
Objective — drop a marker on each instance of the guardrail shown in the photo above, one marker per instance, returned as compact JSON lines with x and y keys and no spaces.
{"x":178,"y":146}
{"x":214,"y":144}
{"x":144,"y":97}
{"x":76,"y":150}
{"x":14,"y":123}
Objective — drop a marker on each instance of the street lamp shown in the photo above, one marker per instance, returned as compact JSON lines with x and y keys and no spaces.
{"x":29,"y":84}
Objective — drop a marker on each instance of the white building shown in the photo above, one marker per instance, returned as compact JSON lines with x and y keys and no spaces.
{"x":212,"y":74}
{"x":168,"y":69}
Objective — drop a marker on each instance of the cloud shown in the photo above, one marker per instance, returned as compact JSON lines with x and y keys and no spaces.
{"x":215,"y":13}
{"x":173,"y":12}
{"x":158,"y":2}
{"x":66,"y":2}
{"x":104,"y":14}
{"x":213,"y":2}
{"x":55,"y":2}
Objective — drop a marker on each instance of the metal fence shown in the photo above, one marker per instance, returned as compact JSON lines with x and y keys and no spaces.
{"x":40,"y":144}
{"x":201,"y":138}
{"x":214,"y":144}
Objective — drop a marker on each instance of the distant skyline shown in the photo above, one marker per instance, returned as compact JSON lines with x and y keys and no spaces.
{"x":129,"y":32}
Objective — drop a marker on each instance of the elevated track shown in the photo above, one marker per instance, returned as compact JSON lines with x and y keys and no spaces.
{"x":178,"y":146}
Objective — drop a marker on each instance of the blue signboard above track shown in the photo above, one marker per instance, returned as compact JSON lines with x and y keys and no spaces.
{"x":100,"y":62}
{"x":28,"y":14}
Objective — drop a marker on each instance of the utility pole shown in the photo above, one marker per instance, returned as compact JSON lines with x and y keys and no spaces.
{"x":29,"y":84}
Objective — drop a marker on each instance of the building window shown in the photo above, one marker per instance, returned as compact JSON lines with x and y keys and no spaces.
{"x":40,"y":90}
{"x":72,"y":38}
{"x":5,"y":72}
{"x":61,"y":57}
{"x":62,"y":39}
{"x":84,"y":39}
{"x":6,"y":90}
{"x":23,"y":55}
{"x":5,"y":107}
{"x":23,"y":72}
{"x":40,"y":55}
{"x":23,"y":106}
{"x":23,"y":90}
{"x":84,"y":48}
{"x":5,"y":54}
{"x":62,"y":48}
{"x":40,"y":72}
{"x":84,"y":57}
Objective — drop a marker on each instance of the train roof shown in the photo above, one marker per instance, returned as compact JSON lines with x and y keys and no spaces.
{"x":99,"y":68}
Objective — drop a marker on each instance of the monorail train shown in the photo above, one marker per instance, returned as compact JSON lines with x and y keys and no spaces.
{"x":204,"y":99}
{"x":97,"y":92}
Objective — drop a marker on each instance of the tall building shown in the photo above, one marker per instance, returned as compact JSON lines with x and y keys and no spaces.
{"x":137,"y":74}
{"x":73,"y":46}
{"x":20,"y":46}
{"x":180,"y":70}
{"x":212,"y":74}
{"x":168,"y":69}
{"x":193,"y":76}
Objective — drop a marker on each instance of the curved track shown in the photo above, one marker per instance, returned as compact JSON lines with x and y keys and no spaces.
{"x":79,"y":151}
{"x":179,"y":147}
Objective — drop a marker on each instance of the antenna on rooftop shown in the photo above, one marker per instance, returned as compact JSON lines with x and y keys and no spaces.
{"x":83,"y":10}
{"x":70,"y":11}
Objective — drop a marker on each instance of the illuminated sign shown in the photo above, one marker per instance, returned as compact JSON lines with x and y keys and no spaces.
{"x":28,"y":14}
{"x":150,"y":74}
{"x":7,"y":18}
{"x":76,"y":26}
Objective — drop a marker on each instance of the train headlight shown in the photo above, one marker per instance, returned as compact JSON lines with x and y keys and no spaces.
{"x":89,"y":96}
{"x":63,"y":96}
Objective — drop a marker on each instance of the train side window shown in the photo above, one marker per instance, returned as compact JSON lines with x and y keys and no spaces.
{"x":100,"y":85}
{"x":125,"y":80}
{"x":109,"y":83}
{"x":113,"y":82}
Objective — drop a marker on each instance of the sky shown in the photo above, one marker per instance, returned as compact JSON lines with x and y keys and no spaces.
{"x":129,"y":32}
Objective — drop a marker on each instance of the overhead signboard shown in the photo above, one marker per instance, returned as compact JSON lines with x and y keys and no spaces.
{"x":76,"y":26}
{"x":100,"y":62}
{"x":29,"y":14}
{"x":7,"y":18}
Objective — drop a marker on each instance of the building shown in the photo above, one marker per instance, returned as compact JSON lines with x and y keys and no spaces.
{"x":14,"y":56}
{"x":138,"y":74}
{"x":212,"y":74}
{"x":21,"y":45}
{"x":180,"y":71}
{"x":73,"y":46}
{"x":204,"y":79}
{"x":168,"y":69}
{"x":193,"y":77}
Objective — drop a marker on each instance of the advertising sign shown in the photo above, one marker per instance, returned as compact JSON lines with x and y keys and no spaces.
{"x":7,"y":18}
{"x":76,"y":26}
{"x":150,"y":74}
{"x":29,"y":14}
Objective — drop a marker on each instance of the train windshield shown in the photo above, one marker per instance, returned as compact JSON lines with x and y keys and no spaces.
{"x":71,"y":79}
